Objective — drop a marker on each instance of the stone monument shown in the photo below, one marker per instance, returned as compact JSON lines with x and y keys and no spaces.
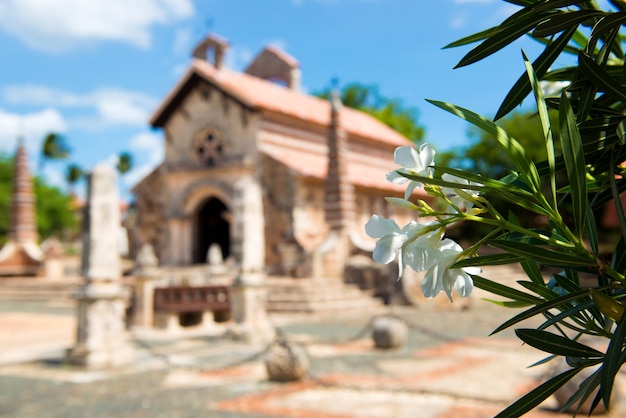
{"x":21,"y":255}
{"x":101,"y":334}
{"x":248,"y":302}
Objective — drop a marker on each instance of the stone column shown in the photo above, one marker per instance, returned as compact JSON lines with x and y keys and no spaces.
{"x":249,"y":294}
{"x":101,"y":340}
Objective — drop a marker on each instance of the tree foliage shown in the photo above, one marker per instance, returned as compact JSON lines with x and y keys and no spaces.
{"x":54,"y":147}
{"x":592,"y":112}
{"x":54,"y":214}
{"x":391,"y":112}
{"x":481,"y":156}
{"x":124,"y":162}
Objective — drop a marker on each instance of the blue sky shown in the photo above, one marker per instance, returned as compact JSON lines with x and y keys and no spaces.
{"x":95,"y":70}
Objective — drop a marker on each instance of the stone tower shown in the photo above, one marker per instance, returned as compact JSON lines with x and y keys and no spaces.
{"x":339,"y":202}
{"x":21,"y":255}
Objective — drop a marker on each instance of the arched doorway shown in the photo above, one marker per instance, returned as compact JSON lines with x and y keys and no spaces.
{"x":211,"y":227}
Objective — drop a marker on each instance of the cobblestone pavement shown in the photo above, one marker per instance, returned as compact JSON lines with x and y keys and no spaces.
{"x":447,"y":368}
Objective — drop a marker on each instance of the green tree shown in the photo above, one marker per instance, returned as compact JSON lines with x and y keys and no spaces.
{"x":6,"y":186}
{"x":481,"y":156}
{"x":391,"y":112}
{"x":54,"y":147}
{"x":54,"y":214}
{"x":73,"y":173}
{"x":124,"y":162}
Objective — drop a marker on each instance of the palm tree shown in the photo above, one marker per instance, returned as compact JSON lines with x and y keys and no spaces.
{"x":73,"y":173}
{"x":124,"y":162}
{"x":54,"y":147}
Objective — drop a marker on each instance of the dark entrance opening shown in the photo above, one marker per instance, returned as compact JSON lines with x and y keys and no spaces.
{"x":211,"y":228}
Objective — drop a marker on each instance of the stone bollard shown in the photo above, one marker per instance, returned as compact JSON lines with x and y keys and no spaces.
{"x":389,"y":332}
{"x":286,"y":362}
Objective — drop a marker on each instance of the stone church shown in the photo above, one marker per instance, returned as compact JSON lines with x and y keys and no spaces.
{"x":320,"y":168}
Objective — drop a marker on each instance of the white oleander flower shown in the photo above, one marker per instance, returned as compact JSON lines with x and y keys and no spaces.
{"x":410,"y":245}
{"x":417,"y":162}
{"x":440,"y":277}
{"x":460,"y":197}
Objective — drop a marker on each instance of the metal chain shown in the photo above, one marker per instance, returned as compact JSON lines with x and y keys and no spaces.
{"x":198,"y":368}
{"x":283,"y":339}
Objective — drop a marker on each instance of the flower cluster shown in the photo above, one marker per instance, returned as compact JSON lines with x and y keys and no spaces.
{"x":422,"y":246}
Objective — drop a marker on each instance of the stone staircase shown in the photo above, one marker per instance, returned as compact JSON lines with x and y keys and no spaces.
{"x":307,"y":295}
{"x":28,"y":288}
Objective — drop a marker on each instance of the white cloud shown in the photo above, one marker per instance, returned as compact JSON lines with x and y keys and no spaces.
{"x":59,"y":25}
{"x":473,"y":1}
{"x":31,"y":126}
{"x":111,"y":106}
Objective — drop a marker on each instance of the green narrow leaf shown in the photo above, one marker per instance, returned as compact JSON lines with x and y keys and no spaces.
{"x":617,"y":201}
{"x":514,"y":150}
{"x":477,"y":37}
{"x":619,"y":257}
{"x":543,"y":308}
{"x":532,"y":271}
{"x":546,"y":126}
{"x":541,"y":255}
{"x":506,"y":35}
{"x":504,"y":291}
{"x":487,"y":260}
{"x":585,"y":389}
{"x":612,"y":361}
{"x":592,"y":230}
{"x":608,"y":306}
{"x":574,"y":157}
{"x":600,"y":78}
{"x":542,"y":64}
{"x":563,"y":21}
{"x":537,"y":395}
{"x":555,"y":344}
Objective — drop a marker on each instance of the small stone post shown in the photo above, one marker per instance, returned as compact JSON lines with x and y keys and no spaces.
{"x":101,"y":335}
{"x":146,"y":274}
{"x":248,"y":299}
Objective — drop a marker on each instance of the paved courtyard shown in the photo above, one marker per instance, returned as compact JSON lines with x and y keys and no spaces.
{"x":449,"y":367}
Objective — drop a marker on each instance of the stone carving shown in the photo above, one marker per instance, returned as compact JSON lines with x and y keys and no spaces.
{"x":389,"y":332}
{"x":286,"y":362}
{"x":101,"y":338}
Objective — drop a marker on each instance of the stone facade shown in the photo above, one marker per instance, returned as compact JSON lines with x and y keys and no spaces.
{"x":321,"y":169}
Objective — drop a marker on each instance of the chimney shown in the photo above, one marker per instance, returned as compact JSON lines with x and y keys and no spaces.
{"x":23,"y":227}
{"x":339,"y":204}
{"x":215,"y":44}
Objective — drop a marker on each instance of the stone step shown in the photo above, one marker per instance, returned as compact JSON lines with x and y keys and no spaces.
{"x":306,"y":295}
{"x":34,"y":289}
{"x":324,"y":306}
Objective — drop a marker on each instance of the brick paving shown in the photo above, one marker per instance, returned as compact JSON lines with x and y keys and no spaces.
{"x":448,"y":368}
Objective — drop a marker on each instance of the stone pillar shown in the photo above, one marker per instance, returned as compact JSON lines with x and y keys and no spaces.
{"x":146,"y":274}
{"x":248,"y":299}
{"x":101,"y":339}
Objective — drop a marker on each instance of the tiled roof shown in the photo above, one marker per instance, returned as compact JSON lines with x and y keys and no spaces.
{"x":314,"y":165}
{"x":267,"y":96}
